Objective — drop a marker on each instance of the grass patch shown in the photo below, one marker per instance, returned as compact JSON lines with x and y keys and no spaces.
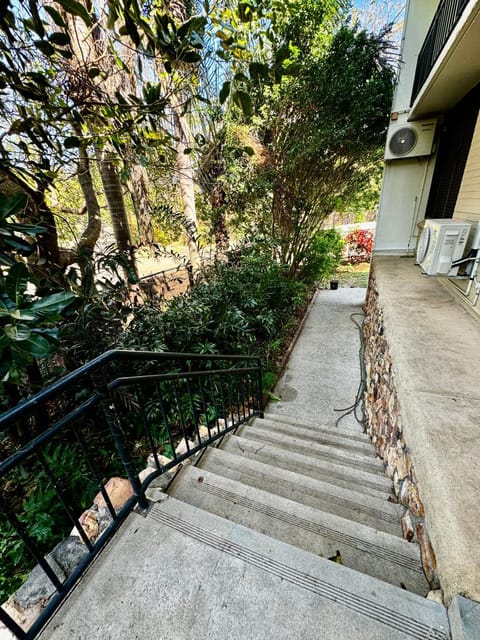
{"x":353,"y":275}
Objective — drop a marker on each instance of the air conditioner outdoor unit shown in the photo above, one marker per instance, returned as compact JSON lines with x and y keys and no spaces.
{"x":410,"y":139}
{"x":441,"y":242}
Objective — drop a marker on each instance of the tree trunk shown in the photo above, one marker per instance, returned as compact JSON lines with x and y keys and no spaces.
{"x":220,"y":231}
{"x":187,"y":184}
{"x":138,"y":186}
{"x":90,"y":234}
{"x":38,"y":212}
{"x":114,"y":195}
{"x":178,"y":10}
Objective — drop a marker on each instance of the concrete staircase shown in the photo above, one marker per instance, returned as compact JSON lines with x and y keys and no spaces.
{"x":322,"y":491}
{"x":286,"y":530}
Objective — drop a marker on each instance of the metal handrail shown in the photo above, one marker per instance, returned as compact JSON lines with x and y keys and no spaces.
{"x":150,"y":412}
{"x":105,"y":358}
{"x":446,"y":17}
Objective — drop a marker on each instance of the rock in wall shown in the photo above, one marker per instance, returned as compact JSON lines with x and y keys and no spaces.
{"x":384,"y":425}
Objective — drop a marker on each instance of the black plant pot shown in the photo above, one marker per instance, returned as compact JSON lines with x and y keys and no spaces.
{"x":333,"y":284}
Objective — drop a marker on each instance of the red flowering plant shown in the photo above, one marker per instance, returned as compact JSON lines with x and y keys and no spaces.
{"x":359,"y":245}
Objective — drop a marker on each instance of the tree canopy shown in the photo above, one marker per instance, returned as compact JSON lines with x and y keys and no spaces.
{"x":122,"y":118}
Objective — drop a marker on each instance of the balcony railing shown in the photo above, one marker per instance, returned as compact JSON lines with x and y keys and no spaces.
{"x":136,"y":415}
{"x":444,"y":21}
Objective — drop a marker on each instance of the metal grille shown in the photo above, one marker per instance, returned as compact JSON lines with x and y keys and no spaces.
{"x":444,"y":21}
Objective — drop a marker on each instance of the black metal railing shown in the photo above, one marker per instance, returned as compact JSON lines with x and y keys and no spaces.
{"x":167,"y":283}
{"x":444,"y":21}
{"x":99,"y":423}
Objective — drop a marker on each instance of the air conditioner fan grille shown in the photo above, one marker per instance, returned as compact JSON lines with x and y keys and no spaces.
{"x":403,"y":141}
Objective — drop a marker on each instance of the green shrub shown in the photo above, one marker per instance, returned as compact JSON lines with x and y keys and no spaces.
{"x":240,"y":308}
{"x":323,"y":256}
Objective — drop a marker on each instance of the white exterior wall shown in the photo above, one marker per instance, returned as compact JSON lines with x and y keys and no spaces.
{"x":418,"y":18}
{"x":405,"y":189}
{"x":406,"y":183}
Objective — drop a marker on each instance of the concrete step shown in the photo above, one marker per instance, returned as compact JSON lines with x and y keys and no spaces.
{"x":183,"y":573}
{"x":314,"y":450}
{"x":319,"y":435}
{"x":359,"y":436}
{"x":346,"y":503}
{"x":321,"y":469}
{"x":362,"y":548}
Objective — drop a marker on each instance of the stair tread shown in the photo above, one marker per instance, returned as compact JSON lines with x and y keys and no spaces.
{"x":321,"y":436}
{"x":314,"y":449}
{"x":347,"y":503}
{"x":321,"y":469}
{"x":363,"y":548}
{"x":359,"y":437}
{"x":229,"y":581}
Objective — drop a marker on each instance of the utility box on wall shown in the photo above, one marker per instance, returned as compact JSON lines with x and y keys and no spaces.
{"x":442,"y":242}
{"x":410,"y":139}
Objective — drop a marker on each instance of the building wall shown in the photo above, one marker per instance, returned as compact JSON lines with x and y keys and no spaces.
{"x":418,"y":17}
{"x":468,"y":201}
{"x":406,"y":183}
{"x":468,"y":208}
{"x":405,"y":188}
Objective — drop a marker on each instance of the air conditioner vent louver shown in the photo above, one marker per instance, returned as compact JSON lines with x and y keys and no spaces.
{"x":403,"y":141}
{"x":410,"y":139}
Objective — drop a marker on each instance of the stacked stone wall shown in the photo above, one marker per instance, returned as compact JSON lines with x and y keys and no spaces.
{"x":384,"y":425}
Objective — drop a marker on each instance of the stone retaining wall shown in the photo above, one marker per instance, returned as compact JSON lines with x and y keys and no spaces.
{"x":384,"y":425}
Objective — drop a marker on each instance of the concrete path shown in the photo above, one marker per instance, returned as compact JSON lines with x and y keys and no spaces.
{"x":323,"y":373}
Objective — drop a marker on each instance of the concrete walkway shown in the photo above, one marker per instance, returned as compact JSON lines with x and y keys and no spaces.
{"x":323,"y":372}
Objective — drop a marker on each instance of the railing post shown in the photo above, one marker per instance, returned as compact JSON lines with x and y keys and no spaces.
{"x":107,"y":406}
{"x":260,"y":388}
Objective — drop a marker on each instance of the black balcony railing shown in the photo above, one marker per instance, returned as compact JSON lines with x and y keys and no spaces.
{"x":97,"y":423}
{"x":444,"y":21}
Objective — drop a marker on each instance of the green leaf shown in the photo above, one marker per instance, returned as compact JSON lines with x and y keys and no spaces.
{"x":5,"y":363}
{"x":131,"y":29}
{"x":38,"y":346}
{"x":245,"y":11}
{"x":71,"y":142}
{"x":240,"y":77}
{"x":17,"y":314}
{"x":4,"y":342}
{"x":28,"y":229}
{"x":65,"y":53}
{"x":7,"y":306}
{"x":19,"y":244}
{"x":59,"y":38}
{"x":243,"y":100}
{"x":191,"y":57}
{"x":55,"y":15}
{"x":195,"y":24}
{"x":54,"y":303}
{"x":258,"y":71}
{"x":16,"y":281}
{"x":45,"y":47}
{"x":76,"y":9}
{"x":9,"y":205}
{"x":17,"y":332}
{"x":224,"y":91}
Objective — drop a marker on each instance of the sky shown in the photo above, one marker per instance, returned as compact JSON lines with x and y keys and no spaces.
{"x":373,"y":14}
